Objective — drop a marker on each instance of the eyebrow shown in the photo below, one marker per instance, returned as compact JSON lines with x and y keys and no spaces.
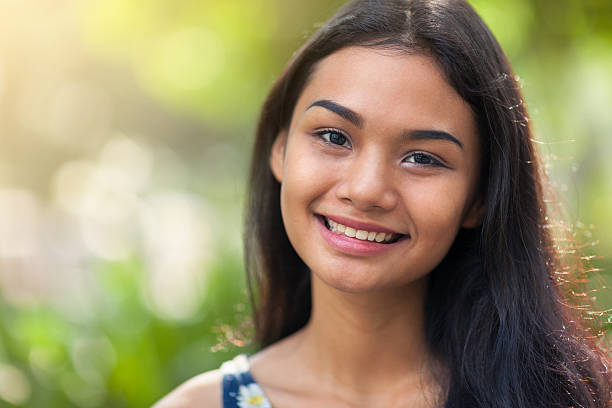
{"x":352,"y":116}
{"x":432,"y":135}
{"x":357,"y":120}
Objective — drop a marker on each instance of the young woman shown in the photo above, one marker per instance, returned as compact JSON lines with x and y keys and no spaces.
{"x":397,"y":238}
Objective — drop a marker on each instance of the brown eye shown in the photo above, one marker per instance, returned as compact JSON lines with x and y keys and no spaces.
{"x":334,"y":137}
{"x":423,"y":159}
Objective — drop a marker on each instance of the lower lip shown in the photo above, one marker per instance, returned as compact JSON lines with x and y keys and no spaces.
{"x":354,"y":246}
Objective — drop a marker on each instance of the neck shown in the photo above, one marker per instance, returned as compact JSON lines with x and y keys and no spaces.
{"x":367,"y":341}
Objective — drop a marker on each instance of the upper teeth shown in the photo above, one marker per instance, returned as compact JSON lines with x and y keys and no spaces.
{"x":359,"y":234}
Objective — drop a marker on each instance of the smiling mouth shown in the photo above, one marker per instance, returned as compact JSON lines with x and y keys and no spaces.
{"x":362,"y":235}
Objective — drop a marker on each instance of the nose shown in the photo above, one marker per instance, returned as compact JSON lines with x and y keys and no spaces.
{"x":368,"y":184}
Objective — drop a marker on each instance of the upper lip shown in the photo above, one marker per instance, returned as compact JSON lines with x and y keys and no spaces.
{"x":360,"y":225}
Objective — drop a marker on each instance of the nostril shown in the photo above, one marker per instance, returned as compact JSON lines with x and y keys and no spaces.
{"x":369,"y":185}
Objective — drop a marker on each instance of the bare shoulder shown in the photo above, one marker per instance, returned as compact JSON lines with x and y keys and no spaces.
{"x":203,"y":390}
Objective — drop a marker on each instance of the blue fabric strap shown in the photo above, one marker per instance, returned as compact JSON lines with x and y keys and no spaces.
{"x":239,"y":389}
{"x":231,"y":383}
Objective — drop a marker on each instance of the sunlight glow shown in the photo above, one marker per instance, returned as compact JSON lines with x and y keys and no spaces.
{"x":14,"y":385}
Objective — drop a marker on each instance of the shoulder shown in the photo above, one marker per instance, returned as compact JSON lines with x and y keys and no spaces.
{"x":203,"y":390}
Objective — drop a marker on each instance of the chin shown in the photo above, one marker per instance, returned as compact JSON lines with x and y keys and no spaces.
{"x":350,"y":281}
{"x":344,"y":280}
{"x":352,"y":287}
{"x":355,"y":281}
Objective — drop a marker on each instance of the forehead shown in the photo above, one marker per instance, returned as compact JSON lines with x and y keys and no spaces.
{"x":390,"y":89}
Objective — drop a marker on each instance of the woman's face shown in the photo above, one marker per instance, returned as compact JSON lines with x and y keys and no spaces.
{"x":380,"y":147}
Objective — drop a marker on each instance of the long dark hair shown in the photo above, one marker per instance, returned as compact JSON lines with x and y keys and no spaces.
{"x":495,"y":312}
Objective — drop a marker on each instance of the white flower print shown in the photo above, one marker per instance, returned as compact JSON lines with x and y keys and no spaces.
{"x":252,"y":396}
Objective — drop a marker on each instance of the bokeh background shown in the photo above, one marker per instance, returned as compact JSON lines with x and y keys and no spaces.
{"x":125,"y":131}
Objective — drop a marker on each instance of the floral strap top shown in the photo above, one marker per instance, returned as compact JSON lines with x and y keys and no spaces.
{"x":239,"y":388}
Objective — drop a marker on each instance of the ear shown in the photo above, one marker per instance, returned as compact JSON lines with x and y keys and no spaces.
{"x":475,"y":215}
{"x":277,"y":156}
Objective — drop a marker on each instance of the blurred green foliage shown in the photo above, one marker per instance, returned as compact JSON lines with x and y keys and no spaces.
{"x":210,"y":64}
{"x":124,"y":356}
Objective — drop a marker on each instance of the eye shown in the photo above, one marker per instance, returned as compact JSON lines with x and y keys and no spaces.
{"x":423,"y":159}
{"x":334,"y":137}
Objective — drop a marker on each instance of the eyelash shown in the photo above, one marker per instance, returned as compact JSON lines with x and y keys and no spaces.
{"x":433,"y":161}
{"x":327,"y":141}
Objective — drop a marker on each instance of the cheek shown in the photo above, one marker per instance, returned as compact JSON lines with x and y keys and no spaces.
{"x":438,"y":210}
{"x":305,"y":180}
{"x":307,"y":173}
